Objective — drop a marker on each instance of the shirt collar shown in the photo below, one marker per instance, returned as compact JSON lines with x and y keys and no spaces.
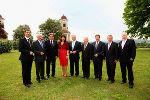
{"x":27,"y":38}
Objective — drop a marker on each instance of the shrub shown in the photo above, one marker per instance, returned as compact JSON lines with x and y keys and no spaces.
{"x":5,"y":46}
{"x":15,"y":45}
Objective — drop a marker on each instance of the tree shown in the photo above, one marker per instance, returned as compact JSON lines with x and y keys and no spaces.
{"x":19,"y":32}
{"x":3,"y":33}
{"x":51,"y":26}
{"x":137,"y":18}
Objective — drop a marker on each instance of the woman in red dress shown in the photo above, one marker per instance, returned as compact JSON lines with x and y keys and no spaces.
{"x":63,"y":48}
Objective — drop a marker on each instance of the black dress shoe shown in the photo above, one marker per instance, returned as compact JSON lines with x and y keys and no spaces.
{"x":27,"y":85}
{"x":30,"y":83}
{"x":43,"y":78}
{"x":47,"y":77}
{"x":123,"y":82}
{"x":130,"y":86}
{"x":77,"y":75}
{"x":100,"y":79}
{"x":53,"y":76}
{"x":38,"y":81}
{"x":112,"y":81}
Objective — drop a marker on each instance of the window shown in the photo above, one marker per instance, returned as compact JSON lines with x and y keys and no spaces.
{"x":64,"y":25}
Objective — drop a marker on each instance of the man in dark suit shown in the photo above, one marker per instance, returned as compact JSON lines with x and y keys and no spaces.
{"x":86,"y":58}
{"x":98,"y":56}
{"x":26,"y":58}
{"x":111,"y":58}
{"x":39,"y":56}
{"x":51,"y":48}
{"x":74,"y":49}
{"x":127,"y":53}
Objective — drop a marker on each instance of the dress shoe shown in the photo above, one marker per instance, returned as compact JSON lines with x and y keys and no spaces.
{"x":27,"y":85}
{"x":47,"y":77}
{"x":44,"y":78}
{"x":108,"y":79}
{"x":83,"y":77}
{"x":112,"y":81}
{"x":77,"y":75}
{"x":130,"y":86}
{"x":100,"y":79}
{"x":30,"y":83}
{"x":53,"y":76}
{"x":38,"y":81}
{"x":123,"y":82}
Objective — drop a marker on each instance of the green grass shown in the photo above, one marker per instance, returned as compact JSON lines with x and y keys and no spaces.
{"x":73,"y":88}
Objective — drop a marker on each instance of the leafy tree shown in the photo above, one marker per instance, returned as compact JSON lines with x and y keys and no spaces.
{"x":137,"y":18}
{"x":51,"y":26}
{"x":19,"y":32}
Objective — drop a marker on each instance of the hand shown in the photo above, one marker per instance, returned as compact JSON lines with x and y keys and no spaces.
{"x":131,"y":59}
{"x":91,"y":60}
{"x":116,"y":61}
{"x":74,"y":52}
{"x":56,"y":57}
{"x":41,"y":53}
{"x":31,"y":53}
{"x":67,"y":57}
{"x":71,"y":52}
{"x":96,"y":55}
{"x":104,"y":60}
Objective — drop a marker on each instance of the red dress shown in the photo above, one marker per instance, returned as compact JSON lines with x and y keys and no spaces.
{"x":63,"y":53}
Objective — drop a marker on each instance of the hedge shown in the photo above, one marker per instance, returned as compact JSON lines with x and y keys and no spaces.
{"x":5,"y":46}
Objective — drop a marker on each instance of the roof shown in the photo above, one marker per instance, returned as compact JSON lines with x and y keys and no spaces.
{"x":63,"y":17}
{"x":65,"y":31}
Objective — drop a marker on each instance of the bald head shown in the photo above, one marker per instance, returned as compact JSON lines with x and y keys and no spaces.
{"x":124,"y":36}
{"x":73,"y":37}
{"x":39,"y":37}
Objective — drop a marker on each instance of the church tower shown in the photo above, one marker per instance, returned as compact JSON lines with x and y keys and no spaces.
{"x":64,"y":24}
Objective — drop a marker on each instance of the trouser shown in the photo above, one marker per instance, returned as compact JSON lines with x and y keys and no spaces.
{"x":48,"y":62}
{"x":98,"y":69}
{"x":39,"y":69}
{"x":26,"y":72}
{"x":72,"y":63}
{"x":127,"y":65}
{"x":86,"y":68}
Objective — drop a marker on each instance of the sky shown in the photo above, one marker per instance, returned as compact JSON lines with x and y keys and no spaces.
{"x":85,"y":17}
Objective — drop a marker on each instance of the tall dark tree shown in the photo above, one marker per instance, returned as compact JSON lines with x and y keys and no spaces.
{"x":137,"y":18}
{"x":3,"y":33}
{"x":51,"y":26}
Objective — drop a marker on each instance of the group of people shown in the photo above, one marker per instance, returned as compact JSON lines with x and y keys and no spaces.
{"x":95,"y":52}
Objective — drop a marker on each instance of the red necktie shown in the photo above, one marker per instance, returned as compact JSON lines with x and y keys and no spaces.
{"x":84,"y":46}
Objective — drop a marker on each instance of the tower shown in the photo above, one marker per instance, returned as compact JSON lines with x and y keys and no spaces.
{"x":64,"y":24}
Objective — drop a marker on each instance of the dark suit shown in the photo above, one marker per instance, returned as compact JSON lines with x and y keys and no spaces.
{"x":98,"y":61}
{"x":74,"y":58}
{"x":111,"y":56}
{"x":51,"y":52}
{"x":86,"y":57}
{"x":26,"y":59}
{"x":39,"y":59}
{"x":128,"y":51}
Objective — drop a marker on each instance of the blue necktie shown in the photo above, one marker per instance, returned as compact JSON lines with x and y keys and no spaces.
{"x":41,"y":44}
{"x":72,"y":46}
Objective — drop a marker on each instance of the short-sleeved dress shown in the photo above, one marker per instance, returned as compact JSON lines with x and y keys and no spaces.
{"x":63,"y":53}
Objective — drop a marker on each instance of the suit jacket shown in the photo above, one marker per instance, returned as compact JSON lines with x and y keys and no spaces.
{"x":77,"y":48}
{"x":87,"y":54}
{"x":37,"y":49}
{"x":129,"y":51}
{"x":25,"y":48}
{"x":100,"y":51}
{"x":112,"y":53}
{"x":51,"y":50}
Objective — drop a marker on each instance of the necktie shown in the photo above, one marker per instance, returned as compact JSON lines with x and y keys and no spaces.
{"x":108,"y":46}
{"x":72,"y":45}
{"x":28,"y":40}
{"x":84,"y":46}
{"x":41,"y":44}
{"x":96,"y":45}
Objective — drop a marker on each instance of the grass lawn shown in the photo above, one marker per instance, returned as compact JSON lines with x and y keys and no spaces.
{"x":73,"y":88}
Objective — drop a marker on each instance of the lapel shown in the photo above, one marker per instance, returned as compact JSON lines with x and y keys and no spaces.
{"x":124,"y":44}
{"x":110,"y":46}
{"x":26,"y":42}
{"x":40,"y":44}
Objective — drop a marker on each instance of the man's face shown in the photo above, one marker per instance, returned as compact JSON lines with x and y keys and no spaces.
{"x":124,"y":36}
{"x":109,"y":38}
{"x":73,"y":37}
{"x":39,"y":37}
{"x":97,"y":38}
{"x":85,"y":40}
{"x":51,"y":37}
{"x":27,"y":34}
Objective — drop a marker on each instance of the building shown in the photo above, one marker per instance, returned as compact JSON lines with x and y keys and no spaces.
{"x":3,"y":33}
{"x":64,"y":24}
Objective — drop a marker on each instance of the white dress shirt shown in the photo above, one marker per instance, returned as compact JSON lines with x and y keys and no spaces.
{"x":123,"y":43}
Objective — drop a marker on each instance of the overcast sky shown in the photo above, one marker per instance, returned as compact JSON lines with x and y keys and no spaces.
{"x":86,"y":17}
